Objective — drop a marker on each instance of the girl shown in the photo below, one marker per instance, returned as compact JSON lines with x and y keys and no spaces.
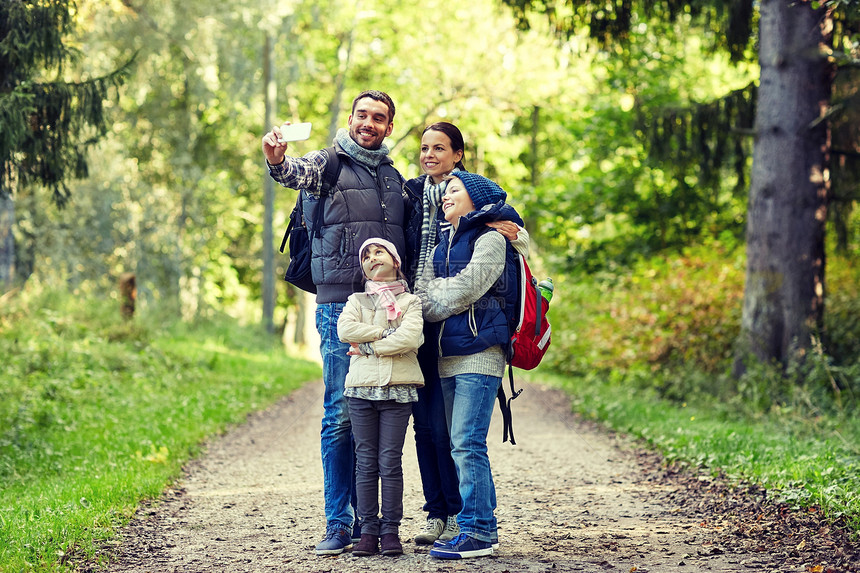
{"x":383,"y":326}
{"x":442,"y":152}
{"x":460,"y":288}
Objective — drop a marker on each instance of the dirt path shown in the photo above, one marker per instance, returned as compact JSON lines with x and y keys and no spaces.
{"x":570,"y":498}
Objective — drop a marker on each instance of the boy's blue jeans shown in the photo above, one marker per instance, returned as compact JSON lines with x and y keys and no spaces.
{"x":469,"y":401}
{"x":336,"y":443}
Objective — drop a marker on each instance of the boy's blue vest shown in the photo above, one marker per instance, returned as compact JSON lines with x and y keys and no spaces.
{"x":486,"y":322}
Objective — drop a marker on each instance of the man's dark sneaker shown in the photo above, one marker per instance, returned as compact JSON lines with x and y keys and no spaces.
{"x":334,"y":542}
{"x":356,"y":532}
{"x":368,"y":545}
{"x":390,"y":544}
{"x":462,"y":547}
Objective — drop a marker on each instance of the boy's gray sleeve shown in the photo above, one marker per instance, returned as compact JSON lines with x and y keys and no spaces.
{"x":522,"y":243}
{"x":444,"y":297}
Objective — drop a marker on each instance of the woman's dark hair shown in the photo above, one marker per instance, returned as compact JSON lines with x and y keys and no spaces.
{"x":453,"y":134}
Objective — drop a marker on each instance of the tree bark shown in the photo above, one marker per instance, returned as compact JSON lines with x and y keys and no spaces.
{"x":270,"y":94}
{"x":784,"y":292}
{"x":7,"y":242}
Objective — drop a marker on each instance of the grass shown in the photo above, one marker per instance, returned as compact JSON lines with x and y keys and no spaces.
{"x":646,"y":350}
{"x":804,"y":461}
{"x":97,"y":414}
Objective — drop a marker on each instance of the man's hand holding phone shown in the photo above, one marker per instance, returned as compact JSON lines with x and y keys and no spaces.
{"x":275,"y":142}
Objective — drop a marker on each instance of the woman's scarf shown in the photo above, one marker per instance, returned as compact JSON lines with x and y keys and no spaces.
{"x":433,"y":194}
{"x":369,"y":157}
{"x":387,"y":293}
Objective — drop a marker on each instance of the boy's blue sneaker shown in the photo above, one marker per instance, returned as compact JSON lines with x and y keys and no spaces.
{"x":462,"y":547}
{"x":334,"y":542}
{"x":440,"y":543}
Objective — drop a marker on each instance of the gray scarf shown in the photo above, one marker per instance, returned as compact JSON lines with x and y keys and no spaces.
{"x":432,"y":200}
{"x":371,"y":158}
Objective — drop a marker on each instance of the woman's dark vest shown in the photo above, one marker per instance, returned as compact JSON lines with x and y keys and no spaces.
{"x":362,"y":205}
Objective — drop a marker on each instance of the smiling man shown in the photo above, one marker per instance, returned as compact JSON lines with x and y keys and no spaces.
{"x":368,"y":200}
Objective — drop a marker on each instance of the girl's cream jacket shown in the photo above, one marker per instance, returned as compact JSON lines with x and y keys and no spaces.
{"x":395,"y":357}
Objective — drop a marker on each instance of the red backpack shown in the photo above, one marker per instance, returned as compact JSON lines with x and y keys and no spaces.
{"x":531,"y":335}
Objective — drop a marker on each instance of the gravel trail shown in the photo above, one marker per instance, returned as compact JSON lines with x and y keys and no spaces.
{"x":571,"y":497}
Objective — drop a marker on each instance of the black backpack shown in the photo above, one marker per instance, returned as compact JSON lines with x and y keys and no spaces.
{"x":299,"y":270}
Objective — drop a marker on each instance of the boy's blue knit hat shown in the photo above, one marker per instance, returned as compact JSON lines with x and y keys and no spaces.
{"x":481,"y":190}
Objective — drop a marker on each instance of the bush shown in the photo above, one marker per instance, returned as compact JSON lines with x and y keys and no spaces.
{"x":664,"y":312}
{"x":671,"y":324}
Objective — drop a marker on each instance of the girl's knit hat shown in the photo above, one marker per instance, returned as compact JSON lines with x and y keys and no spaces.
{"x":481,"y":190}
{"x":387,"y":245}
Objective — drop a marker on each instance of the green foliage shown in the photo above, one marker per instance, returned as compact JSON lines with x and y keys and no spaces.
{"x":805,"y":460}
{"x":727,"y":23}
{"x":46,"y":121}
{"x":677,"y":318}
{"x":604,"y":196}
{"x":98,"y":413}
{"x":841,"y":335}
{"x":664,"y":312}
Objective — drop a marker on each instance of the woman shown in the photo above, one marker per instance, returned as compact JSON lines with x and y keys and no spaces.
{"x":442,"y":151}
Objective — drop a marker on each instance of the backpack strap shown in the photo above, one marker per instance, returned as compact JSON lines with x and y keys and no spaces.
{"x":329,"y":181}
{"x":332,"y":170}
{"x":330,"y":176}
{"x":296,"y":215}
{"x":505,"y":407}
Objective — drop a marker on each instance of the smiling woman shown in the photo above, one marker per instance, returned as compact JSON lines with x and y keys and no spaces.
{"x":442,"y":150}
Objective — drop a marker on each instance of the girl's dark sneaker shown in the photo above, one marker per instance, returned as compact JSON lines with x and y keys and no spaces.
{"x":390,"y":544}
{"x":368,"y":545}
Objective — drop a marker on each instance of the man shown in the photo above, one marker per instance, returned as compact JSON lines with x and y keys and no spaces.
{"x":368,"y":200}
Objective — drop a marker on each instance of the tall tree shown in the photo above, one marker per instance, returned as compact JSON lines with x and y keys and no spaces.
{"x":784,"y":293}
{"x":47,"y":122}
{"x":783,"y":302}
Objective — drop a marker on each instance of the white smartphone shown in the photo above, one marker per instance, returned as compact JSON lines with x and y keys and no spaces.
{"x":295,"y":132}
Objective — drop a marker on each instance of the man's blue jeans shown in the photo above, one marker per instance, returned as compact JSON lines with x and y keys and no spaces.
{"x":336,"y":444}
{"x":469,"y":401}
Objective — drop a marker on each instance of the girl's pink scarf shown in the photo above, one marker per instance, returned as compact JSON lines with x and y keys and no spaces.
{"x":387,"y":293}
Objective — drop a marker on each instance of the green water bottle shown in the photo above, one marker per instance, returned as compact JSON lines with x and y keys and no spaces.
{"x":546,"y":288}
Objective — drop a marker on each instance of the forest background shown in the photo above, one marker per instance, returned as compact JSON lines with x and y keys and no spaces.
{"x":644,"y":234}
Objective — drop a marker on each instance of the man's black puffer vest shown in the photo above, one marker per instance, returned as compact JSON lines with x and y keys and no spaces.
{"x":362,"y":205}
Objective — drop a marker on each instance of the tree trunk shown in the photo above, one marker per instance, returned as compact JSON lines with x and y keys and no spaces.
{"x":7,"y":242}
{"x":270,"y":94}
{"x":784,"y":293}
